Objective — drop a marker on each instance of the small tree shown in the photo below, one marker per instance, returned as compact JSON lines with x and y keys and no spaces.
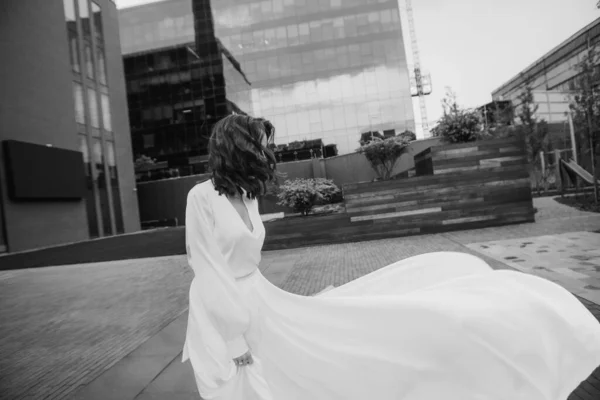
{"x":499,"y":120}
{"x":384,"y":154}
{"x":458,"y":125}
{"x":534,"y":132}
{"x":303,"y":194}
{"x":585,"y":109}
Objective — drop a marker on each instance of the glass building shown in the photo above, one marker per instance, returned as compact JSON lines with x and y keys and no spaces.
{"x":181,"y":79}
{"x":85,"y":32}
{"x":318,"y":69}
{"x":553,"y":80}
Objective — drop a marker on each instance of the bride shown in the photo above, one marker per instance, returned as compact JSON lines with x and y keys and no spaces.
{"x":436,"y":326}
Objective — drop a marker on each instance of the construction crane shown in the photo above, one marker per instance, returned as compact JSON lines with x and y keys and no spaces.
{"x":421,"y":83}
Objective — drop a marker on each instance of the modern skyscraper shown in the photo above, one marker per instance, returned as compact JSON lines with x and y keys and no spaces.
{"x":180,"y":81}
{"x":318,"y":69}
{"x":327,"y":69}
{"x":66,"y":169}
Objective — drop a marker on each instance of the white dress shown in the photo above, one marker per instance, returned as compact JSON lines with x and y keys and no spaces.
{"x":436,"y":326}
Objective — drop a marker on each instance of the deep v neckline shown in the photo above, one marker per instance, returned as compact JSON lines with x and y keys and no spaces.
{"x":240,"y":217}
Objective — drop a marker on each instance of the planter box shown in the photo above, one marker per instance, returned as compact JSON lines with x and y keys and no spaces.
{"x":468,"y":186}
{"x":473,"y":156}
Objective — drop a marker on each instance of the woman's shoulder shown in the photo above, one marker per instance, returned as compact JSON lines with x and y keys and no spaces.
{"x":202,"y":190}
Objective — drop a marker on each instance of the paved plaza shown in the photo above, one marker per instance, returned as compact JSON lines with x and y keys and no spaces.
{"x":570,"y":259}
{"x":114,"y":330}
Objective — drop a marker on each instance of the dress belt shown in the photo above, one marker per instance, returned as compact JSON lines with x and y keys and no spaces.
{"x":240,"y":278}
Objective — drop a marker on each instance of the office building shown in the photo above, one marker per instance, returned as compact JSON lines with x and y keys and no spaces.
{"x":180,"y":81}
{"x":318,"y":69}
{"x":553,"y":79}
{"x":66,"y":170}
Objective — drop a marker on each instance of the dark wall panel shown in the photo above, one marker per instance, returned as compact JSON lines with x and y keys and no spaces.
{"x":36,"y":172}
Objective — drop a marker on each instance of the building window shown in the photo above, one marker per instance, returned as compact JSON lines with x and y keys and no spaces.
{"x":89,"y":64}
{"x":84,"y":11}
{"x":83,"y":148}
{"x":92,"y":112}
{"x":97,"y":157}
{"x":74,"y":51}
{"x":84,"y":16}
{"x":89,"y":197}
{"x":79,"y":107}
{"x":106,"y":114}
{"x":101,"y":65}
{"x":148,"y":141}
{"x":97,"y":17}
{"x":69,"y":7}
{"x":93,"y":108}
{"x":114,"y":182}
{"x":72,"y":35}
{"x":103,"y":194}
{"x":110,"y":157}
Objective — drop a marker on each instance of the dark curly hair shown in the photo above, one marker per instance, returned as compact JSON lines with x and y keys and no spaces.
{"x":236,"y":157}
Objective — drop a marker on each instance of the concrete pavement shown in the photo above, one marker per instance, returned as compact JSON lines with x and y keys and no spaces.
{"x":63,"y":326}
{"x":114,"y":330}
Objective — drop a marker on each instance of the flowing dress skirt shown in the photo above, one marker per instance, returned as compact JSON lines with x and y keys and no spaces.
{"x":431,"y":327}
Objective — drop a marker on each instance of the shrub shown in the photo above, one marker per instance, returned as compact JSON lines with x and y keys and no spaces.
{"x":303,"y":194}
{"x":458,"y":125}
{"x":384,"y":154}
{"x":409,"y":135}
{"x":143,"y":161}
{"x":367,"y":137}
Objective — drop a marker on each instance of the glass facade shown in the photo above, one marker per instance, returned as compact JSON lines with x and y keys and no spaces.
{"x":318,"y":69}
{"x":176,"y":93}
{"x":93,"y":116}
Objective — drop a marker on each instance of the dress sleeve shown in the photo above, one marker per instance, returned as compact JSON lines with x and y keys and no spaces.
{"x":214,"y":280}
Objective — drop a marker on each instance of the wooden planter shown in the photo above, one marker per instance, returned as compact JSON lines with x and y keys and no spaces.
{"x":469,"y":157}
{"x":462,"y":186}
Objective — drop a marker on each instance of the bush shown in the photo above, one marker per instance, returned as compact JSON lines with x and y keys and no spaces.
{"x":458,"y":125}
{"x":303,"y":194}
{"x":143,"y":161}
{"x":384,"y":154}
{"x":409,"y":135}
{"x":367,"y":137}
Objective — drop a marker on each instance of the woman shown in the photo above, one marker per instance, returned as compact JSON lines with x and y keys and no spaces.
{"x":436,"y":326}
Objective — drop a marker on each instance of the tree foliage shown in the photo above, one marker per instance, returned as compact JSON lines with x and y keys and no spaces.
{"x":458,"y":125}
{"x":585,"y":110}
{"x":383,"y":154}
{"x":367,"y":137}
{"x":533,"y":130}
{"x":499,"y":121}
{"x":409,"y":135}
{"x":143,"y":161}
{"x":535,"y":134}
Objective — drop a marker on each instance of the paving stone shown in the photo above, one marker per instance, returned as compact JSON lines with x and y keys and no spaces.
{"x":63,"y":327}
{"x":562,"y":258}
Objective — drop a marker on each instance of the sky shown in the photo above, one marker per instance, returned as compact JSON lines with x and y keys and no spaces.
{"x":474,"y":46}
